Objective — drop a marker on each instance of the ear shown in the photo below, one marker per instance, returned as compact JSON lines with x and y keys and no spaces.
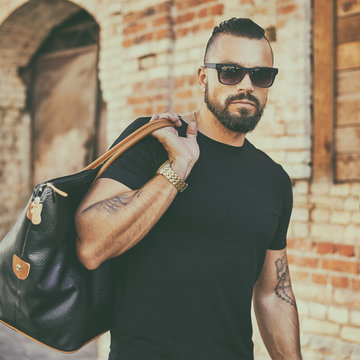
{"x":202,"y":77}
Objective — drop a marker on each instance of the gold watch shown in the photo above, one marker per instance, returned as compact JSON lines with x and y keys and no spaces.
{"x":166,"y":170}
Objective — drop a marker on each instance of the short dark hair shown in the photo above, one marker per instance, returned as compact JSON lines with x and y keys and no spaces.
{"x":242,"y":27}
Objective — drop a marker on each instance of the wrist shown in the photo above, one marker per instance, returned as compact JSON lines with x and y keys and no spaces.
{"x":170,"y":174}
{"x":182,"y":167}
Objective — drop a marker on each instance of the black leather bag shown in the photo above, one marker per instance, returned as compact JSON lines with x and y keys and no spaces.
{"x":46,"y":293}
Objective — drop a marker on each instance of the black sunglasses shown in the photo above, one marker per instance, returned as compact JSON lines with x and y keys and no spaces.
{"x":231,"y":74}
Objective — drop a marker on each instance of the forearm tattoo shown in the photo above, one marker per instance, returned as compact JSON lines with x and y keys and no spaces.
{"x":112,"y":205}
{"x":283,"y":287}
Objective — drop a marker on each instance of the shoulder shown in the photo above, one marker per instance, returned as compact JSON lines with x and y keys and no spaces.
{"x":269,"y":167}
{"x":136,"y":124}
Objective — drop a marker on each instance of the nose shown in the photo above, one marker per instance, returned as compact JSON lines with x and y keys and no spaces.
{"x":245,"y":85}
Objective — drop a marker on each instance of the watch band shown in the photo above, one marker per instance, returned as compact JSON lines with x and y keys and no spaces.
{"x":166,"y":170}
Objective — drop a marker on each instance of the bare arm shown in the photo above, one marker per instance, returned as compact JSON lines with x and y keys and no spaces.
{"x":275,"y":308}
{"x":113,"y":218}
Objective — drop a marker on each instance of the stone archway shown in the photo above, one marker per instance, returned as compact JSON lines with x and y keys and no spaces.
{"x":21,"y":35}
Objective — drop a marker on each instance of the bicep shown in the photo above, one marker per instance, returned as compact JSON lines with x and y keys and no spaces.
{"x":102,"y":189}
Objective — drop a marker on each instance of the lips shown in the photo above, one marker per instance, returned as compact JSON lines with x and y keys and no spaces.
{"x":243,"y":102}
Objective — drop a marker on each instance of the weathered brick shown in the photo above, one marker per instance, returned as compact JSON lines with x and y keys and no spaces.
{"x":203,"y":13}
{"x":300,"y":214}
{"x":164,"y":20}
{"x":325,"y":248}
{"x":217,"y":9}
{"x":184,"y":18}
{"x":340,"y":281}
{"x":355,"y":317}
{"x":355,"y":283}
{"x":352,"y":233}
{"x":300,"y":229}
{"x":347,"y":266}
{"x":340,"y":190}
{"x":320,"y":215}
{"x":327,"y":232}
{"x":299,"y":275}
{"x":340,"y":217}
{"x":346,"y":250}
{"x":320,"y":278}
{"x":317,"y":310}
{"x":350,"y":333}
{"x":305,"y":261}
{"x":320,"y":327}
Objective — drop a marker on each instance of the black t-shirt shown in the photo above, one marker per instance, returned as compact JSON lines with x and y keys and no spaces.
{"x":185,"y":290}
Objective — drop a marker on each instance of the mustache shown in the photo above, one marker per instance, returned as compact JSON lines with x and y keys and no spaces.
{"x":243,"y":96}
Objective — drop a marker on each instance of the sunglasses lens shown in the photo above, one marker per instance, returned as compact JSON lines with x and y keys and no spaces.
{"x":263,"y":77}
{"x":231,"y":75}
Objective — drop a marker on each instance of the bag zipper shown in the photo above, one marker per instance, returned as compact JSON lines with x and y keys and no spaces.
{"x":35,"y":208}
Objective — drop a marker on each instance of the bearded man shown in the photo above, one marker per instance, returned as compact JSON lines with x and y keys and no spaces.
{"x":189,"y":264}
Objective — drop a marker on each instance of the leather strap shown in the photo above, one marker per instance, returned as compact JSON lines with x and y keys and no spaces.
{"x":110,"y":156}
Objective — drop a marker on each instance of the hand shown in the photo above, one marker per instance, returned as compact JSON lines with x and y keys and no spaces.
{"x":183,"y":152}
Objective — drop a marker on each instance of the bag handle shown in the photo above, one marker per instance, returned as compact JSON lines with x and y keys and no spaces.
{"x":111,"y":155}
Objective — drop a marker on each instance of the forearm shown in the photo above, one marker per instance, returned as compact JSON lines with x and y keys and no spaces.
{"x":109,"y":227}
{"x":278,"y":322}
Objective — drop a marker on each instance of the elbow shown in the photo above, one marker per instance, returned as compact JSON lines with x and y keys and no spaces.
{"x":84,"y":249}
{"x":86,"y":257}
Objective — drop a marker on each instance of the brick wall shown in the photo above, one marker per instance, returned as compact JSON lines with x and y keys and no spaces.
{"x":149,"y":54}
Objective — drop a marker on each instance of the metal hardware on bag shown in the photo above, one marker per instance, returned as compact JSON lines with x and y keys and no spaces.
{"x":34,"y":211}
{"x":20,"y":267}
{"x":58,"y":191}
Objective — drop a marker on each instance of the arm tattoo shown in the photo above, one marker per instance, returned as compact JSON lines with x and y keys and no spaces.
{"x":112,"y":205}
{"x":283,"y":287}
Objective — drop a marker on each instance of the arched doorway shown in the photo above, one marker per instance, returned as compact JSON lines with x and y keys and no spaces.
{"x":23,"y":33}
{"x":65,"y":99}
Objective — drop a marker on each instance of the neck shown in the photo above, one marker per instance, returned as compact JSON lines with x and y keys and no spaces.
{"x":210,"y":126}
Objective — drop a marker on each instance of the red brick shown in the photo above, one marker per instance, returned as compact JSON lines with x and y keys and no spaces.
{"x":182,"y":32}
{"x":164,"y":20}
{"x":340,"y":282}
{"x":185,"y":18}
{"x":302,"y":260}
{"x":319,"y":278}
{"x":287,"y":9}
{"x":143,"y":38}
{"x":132,"y":100}
{"x":203,"y":13}
{"x":217,"y":9}
{"x":355,"y":284}
{"x":341,"y":265}
{"x":188,"y":4}
{"x":195,"y":28}
{"x":325,"y":248}
{"x":208,"y":24}
{"x":299,"y":275}
{"x":134,"y":28}
{"x":346,"y":250}
{"x":162,"y":34}
{"x":127,"y":43}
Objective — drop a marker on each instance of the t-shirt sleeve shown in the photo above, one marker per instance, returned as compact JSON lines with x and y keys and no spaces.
{"x":137,"y":165}
{"x":279,"y":239}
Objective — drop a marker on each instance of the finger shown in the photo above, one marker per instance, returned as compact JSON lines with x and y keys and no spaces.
{"x":191,"y":130}
{"x":155,"y":116}
{"x":173,"y":117}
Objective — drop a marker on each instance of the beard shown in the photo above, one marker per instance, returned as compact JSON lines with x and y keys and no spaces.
{"x":241,"y":121}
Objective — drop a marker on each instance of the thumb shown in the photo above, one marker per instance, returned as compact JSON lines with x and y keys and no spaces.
{"x":191,"y":130}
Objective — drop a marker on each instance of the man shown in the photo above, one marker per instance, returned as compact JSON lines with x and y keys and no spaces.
{"x":191,"y":262}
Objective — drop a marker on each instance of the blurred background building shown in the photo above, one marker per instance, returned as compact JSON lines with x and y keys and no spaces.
{"x":74,"y":74}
